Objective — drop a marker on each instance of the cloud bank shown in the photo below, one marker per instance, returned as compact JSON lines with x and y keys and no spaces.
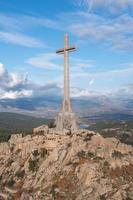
{"x":12,"y":85}
{"x":19,"y":39}
{"x":15,"y":86}
{"x":97,"y":25}
{"x":113,"y":6}
{"x":17,"y":93}
{"x":116,"y":33}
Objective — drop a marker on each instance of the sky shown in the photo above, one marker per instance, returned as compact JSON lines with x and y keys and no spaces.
{"x":31,"y":32}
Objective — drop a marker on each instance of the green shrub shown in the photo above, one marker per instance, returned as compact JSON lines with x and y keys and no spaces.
{"x":20,"y":174}
{"x":10,"y":183}
{"x":51,"y":124}
{"x":10,"y":161}
{"x":90,"y":154}
{"x":117,"y":154}
{"x":102,"y":197}
{"x":4,"y":136}
{"x":35,"y":153}
{"x":53,"y":192}
{"x":87,"y":138}
{"x":97,"y":158}
{"x":44,"y":152}
{"x":81,"y":154}
{"x":33,"y":165}
{"x":106,"y":164}
{"x":0,"y":178}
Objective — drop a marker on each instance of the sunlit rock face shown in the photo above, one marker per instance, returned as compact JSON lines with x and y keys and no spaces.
{"x":50,"y":165}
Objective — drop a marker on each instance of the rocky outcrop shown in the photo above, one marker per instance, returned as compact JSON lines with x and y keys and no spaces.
{"x":4,"y":149}
{"x":26,"y":145}
{"x":41,"y":129}
{"x":80,"y":166}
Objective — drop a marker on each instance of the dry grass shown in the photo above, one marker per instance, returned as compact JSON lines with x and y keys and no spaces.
{"x":126,"y":172}
{"x":67,"y":186}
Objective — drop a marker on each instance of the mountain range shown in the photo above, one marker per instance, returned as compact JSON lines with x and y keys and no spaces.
{"x":49,"y":105}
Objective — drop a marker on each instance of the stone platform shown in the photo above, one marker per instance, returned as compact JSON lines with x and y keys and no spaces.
{"x":66,"y":120}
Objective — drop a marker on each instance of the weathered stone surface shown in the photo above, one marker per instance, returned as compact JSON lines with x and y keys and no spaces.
{"x":41,"y":129}
{"x":81,"y":166}
{"x":4,"y":149}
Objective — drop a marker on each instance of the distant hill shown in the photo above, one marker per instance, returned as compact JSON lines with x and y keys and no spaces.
{"x":49,"y":106}
{"x":19,"y":122}
{"x":110,"y":116}
{"x":16,"y":123}
{"x":13,"y":121}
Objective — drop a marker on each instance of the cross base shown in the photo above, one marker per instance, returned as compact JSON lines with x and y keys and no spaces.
{"x":66,"y":120}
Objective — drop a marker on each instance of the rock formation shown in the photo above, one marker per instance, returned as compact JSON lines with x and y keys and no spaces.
{"x":51,"y":166}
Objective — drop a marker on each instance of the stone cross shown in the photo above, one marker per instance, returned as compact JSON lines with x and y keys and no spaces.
{"x":65,"y":51}
{"x":66,"y":118}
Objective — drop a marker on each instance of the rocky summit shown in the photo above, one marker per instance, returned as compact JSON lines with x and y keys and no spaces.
{"x":48,"y":165}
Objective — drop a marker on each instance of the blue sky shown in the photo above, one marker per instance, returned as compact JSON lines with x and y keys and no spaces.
{"x":31,"y":31}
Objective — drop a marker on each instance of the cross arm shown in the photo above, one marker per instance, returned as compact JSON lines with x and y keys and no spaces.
{"x":73,"y":48}
{"x":60,"y":51}
{"x":69,"y":49}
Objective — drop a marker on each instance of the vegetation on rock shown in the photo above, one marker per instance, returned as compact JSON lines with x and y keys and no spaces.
{"x":33,"y":165}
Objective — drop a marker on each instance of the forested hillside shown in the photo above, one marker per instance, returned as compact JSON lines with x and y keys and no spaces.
{"x":15,"y":123}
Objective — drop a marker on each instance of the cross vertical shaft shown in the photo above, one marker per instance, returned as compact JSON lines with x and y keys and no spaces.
{"x":66,"y":101}
{"x":66,"y":71}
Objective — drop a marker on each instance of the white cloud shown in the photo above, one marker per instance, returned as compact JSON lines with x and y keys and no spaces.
{"x":37,"y":21}
{"x":15,"y":86}
{"x":114,"y":6}
{"x":39,"y":99}
{"x":77,"y":92}
{"x":16,"y":94}
{"x":17,"y":80}
{"x":11,"y":81}
{"x":8,"y":22}
{"x":114,"y":73}
{"x":44,"y":91}
{"x":91,"y":82}
{"x":125,"y":91}
{"x":19,"y":39}
{"x":13,"y":29}
{"x":51,"y":61}
{"x":103,"y":80}
{"x":2,"y":70}
{"x":116,"y":32}
{"x":46,"y":60}
{"x":79,"y":64}
{"x":23,"y":22}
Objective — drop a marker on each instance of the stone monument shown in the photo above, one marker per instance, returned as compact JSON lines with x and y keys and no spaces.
{"x":66,"y":119}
